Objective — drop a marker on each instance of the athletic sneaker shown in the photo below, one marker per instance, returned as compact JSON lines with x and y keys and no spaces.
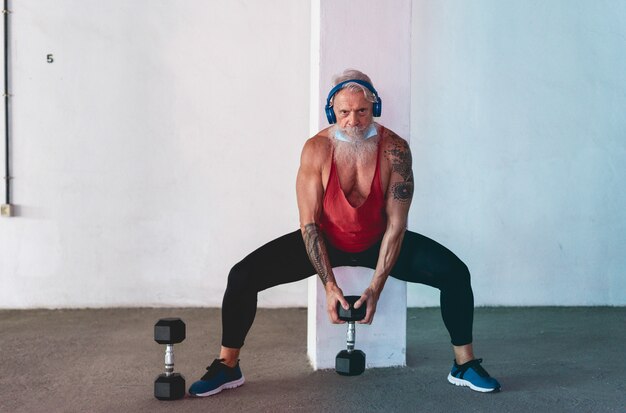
{"x":473,"y":375}
{"x":217,"y":378}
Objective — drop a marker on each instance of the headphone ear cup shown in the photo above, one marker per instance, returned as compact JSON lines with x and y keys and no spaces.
{"x":378,"y":108}
{"x":330,"y":114}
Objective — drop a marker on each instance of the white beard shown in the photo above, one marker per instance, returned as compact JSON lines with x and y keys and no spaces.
{"x":358,"y":150}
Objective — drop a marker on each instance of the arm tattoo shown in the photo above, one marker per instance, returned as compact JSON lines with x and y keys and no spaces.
{"x":316,"y":249}
{"x":400,"y":157}
{"x":402,"y":191}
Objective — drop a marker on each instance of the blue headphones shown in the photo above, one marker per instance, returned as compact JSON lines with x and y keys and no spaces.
{"x":330,"y":113}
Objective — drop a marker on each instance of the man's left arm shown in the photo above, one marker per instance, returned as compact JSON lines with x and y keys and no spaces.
{"x":398,"y":201}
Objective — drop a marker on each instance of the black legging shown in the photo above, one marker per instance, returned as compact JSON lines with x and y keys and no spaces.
{"x":285,"y":260}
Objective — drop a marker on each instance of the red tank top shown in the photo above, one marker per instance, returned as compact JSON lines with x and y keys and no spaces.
{"x":348,"y":228}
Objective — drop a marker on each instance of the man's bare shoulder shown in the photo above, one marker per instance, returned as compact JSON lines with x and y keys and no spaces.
{"x":317,"y":149}
{"x":394,"y":145}
{"x":321,"y":140}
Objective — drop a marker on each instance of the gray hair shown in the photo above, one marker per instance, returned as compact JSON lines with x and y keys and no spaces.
{"x":354,"y":87}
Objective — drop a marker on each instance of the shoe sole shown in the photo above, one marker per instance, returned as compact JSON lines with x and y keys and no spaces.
{"x":225,"y":386}
{"x":465,"y":383}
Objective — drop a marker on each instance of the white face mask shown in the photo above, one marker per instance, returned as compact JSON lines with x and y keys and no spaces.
{"x":370,"y":132}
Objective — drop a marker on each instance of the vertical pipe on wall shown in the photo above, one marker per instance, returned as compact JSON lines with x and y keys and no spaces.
{"x":7,"y":176}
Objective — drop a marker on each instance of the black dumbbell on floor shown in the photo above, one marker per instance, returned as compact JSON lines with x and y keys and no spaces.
{"x":351,"y":362}
{"x":169,"y":385}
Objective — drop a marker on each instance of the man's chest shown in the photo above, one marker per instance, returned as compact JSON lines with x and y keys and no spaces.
{"x":355,"y":180}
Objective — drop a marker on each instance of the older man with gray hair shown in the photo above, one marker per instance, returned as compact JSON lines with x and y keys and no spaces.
{"x":354,"y":189}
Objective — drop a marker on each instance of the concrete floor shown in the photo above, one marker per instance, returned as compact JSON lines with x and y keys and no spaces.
{"x":547,"y":359}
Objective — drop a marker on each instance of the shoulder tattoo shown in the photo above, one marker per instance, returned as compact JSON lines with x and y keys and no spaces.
{"x":399,"y":155}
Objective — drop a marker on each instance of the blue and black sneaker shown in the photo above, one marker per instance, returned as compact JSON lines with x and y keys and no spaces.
{"x":473,"y":375}
{"x":217,"y":378}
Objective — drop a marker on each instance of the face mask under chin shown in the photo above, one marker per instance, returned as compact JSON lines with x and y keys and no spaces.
{"x":354,"y":133}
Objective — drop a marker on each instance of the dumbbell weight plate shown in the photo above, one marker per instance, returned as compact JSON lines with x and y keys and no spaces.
{"x":170,"y":387}
{"x":169,"y":331}
{"x":350,"y":363}
{"x":352,"y":314}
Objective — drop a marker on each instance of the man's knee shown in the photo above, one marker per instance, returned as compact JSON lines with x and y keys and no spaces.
{"x":463,"y":274}
{"x":239,"y":278}
{"x":457,"y":277}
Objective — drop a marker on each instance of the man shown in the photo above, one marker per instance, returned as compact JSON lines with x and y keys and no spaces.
{"x":354,"y":190}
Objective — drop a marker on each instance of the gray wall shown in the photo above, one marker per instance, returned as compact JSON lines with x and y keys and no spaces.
{"x":519,"y":138}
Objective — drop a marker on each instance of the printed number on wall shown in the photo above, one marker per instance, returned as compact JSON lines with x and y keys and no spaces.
{"x":50,"y":58}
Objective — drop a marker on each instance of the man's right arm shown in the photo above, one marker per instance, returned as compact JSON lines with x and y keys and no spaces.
{"x":310,"y":192}
{"x":316,"y":249}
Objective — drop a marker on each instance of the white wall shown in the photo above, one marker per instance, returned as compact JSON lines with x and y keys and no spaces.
{"x":519,"y":139}
{"x":160,"y":147}
{"x":136,"y":156}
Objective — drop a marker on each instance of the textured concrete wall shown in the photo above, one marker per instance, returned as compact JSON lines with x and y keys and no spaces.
{"x":158,"y":148}
{"x":136,"y":164}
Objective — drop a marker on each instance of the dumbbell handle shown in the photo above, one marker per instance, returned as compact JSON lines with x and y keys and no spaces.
{"x":169,"y":359}
{"x":351,"y":335}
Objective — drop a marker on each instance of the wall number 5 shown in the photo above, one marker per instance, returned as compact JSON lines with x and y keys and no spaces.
{"x":50,"y":58}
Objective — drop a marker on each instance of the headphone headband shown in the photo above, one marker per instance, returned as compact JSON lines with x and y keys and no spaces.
{"x":330,"y":113}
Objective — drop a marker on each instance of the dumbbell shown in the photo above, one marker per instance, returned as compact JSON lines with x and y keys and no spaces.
{"x":351,"y":362}
{"x":169,"y":385}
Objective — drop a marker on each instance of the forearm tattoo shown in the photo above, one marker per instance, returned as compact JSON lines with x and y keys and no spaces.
{"x":400,"y":157}
{"x":316,"y":249}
